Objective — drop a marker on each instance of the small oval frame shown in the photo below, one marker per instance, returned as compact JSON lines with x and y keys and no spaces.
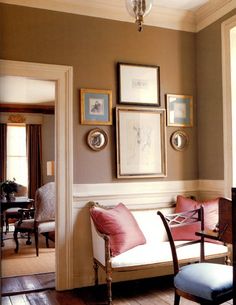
{"x":97,"y":139}
{"x":174,"y":137}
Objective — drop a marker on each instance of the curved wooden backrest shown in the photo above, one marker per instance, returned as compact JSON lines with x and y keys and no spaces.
{"x":225,"y":220}
{"x":180,"y":220}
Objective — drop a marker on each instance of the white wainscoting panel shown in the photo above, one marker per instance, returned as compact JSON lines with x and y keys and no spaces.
{"x":133,"y":194}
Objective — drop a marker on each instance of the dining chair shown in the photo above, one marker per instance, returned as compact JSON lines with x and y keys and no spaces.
{"x":13,"y":213}
{"x":43,"y":221}
{"x":201,"y":282}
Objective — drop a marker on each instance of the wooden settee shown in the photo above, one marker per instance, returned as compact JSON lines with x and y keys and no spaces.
{"x":154,"y":253}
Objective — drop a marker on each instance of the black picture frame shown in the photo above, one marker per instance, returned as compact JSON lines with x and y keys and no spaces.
{"x":139,"y":84}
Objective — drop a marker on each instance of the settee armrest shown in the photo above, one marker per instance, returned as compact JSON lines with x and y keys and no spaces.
{"x":101,"y":245}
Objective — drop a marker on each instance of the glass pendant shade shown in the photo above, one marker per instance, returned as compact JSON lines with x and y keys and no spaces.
{"x":138,"y":9}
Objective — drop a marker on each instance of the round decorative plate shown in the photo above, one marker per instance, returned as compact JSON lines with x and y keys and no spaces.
{"x":97,"y":139}
{"x":179,"y":140}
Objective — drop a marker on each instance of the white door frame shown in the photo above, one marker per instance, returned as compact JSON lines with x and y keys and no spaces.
{"x":227,"y":104}
{"x":63,"y":76}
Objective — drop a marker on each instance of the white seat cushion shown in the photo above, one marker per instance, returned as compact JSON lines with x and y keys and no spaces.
{"x":160,"y":253}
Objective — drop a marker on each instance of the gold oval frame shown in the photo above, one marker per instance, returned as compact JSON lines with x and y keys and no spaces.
{"x":175,"y":138}
{"x":97,"y":139}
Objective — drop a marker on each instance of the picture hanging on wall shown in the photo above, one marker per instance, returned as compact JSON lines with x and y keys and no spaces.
{"x":139,"y":84}
{"x":97,"y":139}
{"x":96,"y":107}
{"x":179,"y":110}
{"x":141,"y":142}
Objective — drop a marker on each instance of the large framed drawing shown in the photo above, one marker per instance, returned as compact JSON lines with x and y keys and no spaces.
{"x":141,"y":142}
{"x":139,"y":84}
{"x":179,"y":110}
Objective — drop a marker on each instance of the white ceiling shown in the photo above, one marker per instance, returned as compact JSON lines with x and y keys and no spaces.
{"x":22,"y":90}
{"x":181,"y":4}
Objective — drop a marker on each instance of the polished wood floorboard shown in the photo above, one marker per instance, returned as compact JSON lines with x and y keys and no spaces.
{"x":157,"y":291}
{"x":27,"y":283}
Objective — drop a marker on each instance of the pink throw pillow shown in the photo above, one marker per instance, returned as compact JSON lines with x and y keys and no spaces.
{"x":120,"y":225}
{"x":211,"y":217}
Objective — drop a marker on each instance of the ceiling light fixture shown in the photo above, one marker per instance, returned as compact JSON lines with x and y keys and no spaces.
{"x":138,"y":9}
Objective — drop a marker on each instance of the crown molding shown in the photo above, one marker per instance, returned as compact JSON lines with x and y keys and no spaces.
{"x":212,"y":11}
{"x":183,"y":20}
{"x":115,"y":10}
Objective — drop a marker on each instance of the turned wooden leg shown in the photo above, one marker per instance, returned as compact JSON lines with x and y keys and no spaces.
{"x":16,"y":241}
{"x":28,"y":242}
{"x":2,"y":242}
{"x":95,"y":267}
{"x":7,"y":225}
{"x":109,"y":292}
{"x":227,"y":260}
{"x":47,"y":239}
{"x":177,"y":299}
{"x":36,"y":242}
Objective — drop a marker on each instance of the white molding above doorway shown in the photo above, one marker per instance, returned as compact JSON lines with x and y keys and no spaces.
{"x":63,"y":76}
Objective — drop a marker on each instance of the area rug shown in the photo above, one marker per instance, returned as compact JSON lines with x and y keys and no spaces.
{"x":25,"y":261}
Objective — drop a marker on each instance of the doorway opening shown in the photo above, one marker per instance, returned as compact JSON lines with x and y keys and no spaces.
{"x":27,"y":111}
{"x":63,"y":77}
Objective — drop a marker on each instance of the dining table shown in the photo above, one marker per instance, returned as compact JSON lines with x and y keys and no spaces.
{"x":16,"y":202}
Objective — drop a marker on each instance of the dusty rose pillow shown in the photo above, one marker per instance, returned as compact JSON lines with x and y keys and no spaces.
{"x":211,"y":209}
{"x":120,"y":225}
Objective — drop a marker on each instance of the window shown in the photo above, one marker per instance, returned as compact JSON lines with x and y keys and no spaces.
{"x":16,"y":154}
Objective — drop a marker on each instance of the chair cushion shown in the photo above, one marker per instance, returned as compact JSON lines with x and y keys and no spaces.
{"x":26,"y":224}
{"x":120,"y":225}
{"x":205,"y":280}
{"x":48,"y":226}
{"x":12,"y":210}
{"x":211,"y":218}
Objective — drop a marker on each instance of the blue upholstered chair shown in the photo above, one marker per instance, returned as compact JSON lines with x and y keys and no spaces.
{"x":203,"y":283}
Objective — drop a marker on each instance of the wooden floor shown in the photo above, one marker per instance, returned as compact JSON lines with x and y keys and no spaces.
{"x":27,"y":283}
{"x":156,"y":291}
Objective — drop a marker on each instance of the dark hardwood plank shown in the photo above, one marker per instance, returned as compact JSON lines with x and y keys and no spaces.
{"x":156,"y":291}
{"x":10,"y":285}
{"x":27,"y":283}
{"x":68,"y":297}
{"x":42,"y":298}
{"x":6,"y":301}
{"x":127,"y":301}
{"x":47,"y":280}
{"x":19,"y":300}
{"x":30,"y":282}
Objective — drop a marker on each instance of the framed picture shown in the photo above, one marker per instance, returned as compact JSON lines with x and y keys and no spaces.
{"x":97,"y":139}
{"x":139,"y":84}
{"x":179,"y":140}
{"x":179,"y":110}
{"x":96,"y":107}
{"x":141,"y":142}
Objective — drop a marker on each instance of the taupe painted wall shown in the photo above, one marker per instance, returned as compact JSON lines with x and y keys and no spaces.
{"x":210,"y":101}
{"x":93,"y":46}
